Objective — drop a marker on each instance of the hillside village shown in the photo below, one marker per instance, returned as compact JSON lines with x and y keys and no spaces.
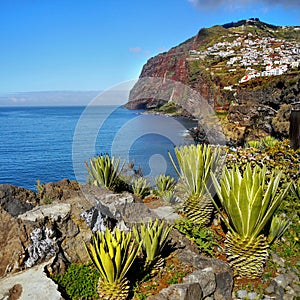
{"x":259,"y":56}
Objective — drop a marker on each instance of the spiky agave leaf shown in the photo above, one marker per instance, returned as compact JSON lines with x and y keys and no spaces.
{"x":140,"y":187}
{"x":112,"y":253}
{"x":254,"y":144}
{"x":269,"y":141}
{"x":296,"y":188}
{"x":278,"y":227}
{"x":164,"y":183}
{"x":250,"y":202}
{"x":196,"y":162}
{"x":104,"y":170}
{"x":154,"y":238}
{"x":248,"y":199}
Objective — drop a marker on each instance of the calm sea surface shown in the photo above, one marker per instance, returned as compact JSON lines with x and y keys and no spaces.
{"x":52,"y":143}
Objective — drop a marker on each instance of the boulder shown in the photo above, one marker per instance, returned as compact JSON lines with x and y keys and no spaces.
{"x":58,"y":191}
{"x":16,"y":200}
{"x":222,"y":271}
{"x":206,"y":278}
{"x":29,"y":285}
{"x":190,"y":291}
{"x":13,"y":241}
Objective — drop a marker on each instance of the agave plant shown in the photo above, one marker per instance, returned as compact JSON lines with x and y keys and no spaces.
{"x":254,"y":144}
{"x":278,"y":227}
{"x":269,"y":141}
{"x":104,"y":171}
{"x":249,"y":200}
{"x":154,"y":238}
{"x":296,"y":188}
{"x":113,"y":253}
{"x":140,"y":187}
{"x":195,"y":165}
{"x":165,"y":187}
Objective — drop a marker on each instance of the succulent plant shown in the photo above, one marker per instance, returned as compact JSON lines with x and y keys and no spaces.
{"x":278,"y":227}
{"x":104,"y":171}
{"x":195,"y":165}
{"x":165,"y":187}
{"x":266,"y":142}
{"x":113,"y":253}
{"x":296,"y":188}
{"x":250,"y":201}
{"x":154,"y":237}
{"x":140,"y":187}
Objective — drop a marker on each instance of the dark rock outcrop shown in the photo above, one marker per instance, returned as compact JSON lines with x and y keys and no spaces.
{"x":16,"y":200}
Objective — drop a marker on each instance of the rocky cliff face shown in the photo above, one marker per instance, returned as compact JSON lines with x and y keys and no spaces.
{"x":189,"y":75}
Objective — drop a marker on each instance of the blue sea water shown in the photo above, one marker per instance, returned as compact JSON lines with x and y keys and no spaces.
{"x":52,"y":143}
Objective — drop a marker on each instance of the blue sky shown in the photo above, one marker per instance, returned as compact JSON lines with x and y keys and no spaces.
{"x":49,"y":45}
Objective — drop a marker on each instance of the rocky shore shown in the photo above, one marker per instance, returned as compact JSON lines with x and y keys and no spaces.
{"x":40,"y":234}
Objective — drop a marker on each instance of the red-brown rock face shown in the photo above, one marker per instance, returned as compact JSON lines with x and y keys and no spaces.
{"x":189,"y":80}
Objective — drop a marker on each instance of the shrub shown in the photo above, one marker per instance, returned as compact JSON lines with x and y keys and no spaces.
{"x":79,"y":281}
{"x":153,"y":237}
{"x":203,"y":237}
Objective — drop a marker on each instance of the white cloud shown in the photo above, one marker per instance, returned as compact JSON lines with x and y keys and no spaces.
{"x":135,"y":49}
{"x":236,"y":4}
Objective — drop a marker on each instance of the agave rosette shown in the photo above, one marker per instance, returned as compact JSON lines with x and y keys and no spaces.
{"x":113,"y":253}
{"x":250,"y":200}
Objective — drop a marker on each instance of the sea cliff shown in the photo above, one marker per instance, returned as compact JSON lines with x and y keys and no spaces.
{"x":246,"y":71}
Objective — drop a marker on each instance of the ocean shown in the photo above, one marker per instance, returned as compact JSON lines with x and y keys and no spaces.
{"x":52,"y":143}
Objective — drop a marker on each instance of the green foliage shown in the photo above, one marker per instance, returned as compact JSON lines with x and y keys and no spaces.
{"x":296,"y":189}
{"x":169,"y":108}
{"x":165,"y":187}
{"x":79,"y":281}
{"x":203,"y":237}
{"x":266,"y":142}
{"x":41,"y":192}
{"x":175,"y":279}
{"x":113,"y":253}
{"x":290,"y":206}
{"x":104,"y":171}
{"x":153,"y":237}
{"x":140,"y":187}
{"x":278,"y":227}
{"x":248,"y":199}
{"x":195,"y":165}
{"x":269,"y":141}
{"x":253,"y":144}
{"x":289,"y":245}
{"x":141,"y":296}
{"x":280,"y":157}
{"x":39,"y":187}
